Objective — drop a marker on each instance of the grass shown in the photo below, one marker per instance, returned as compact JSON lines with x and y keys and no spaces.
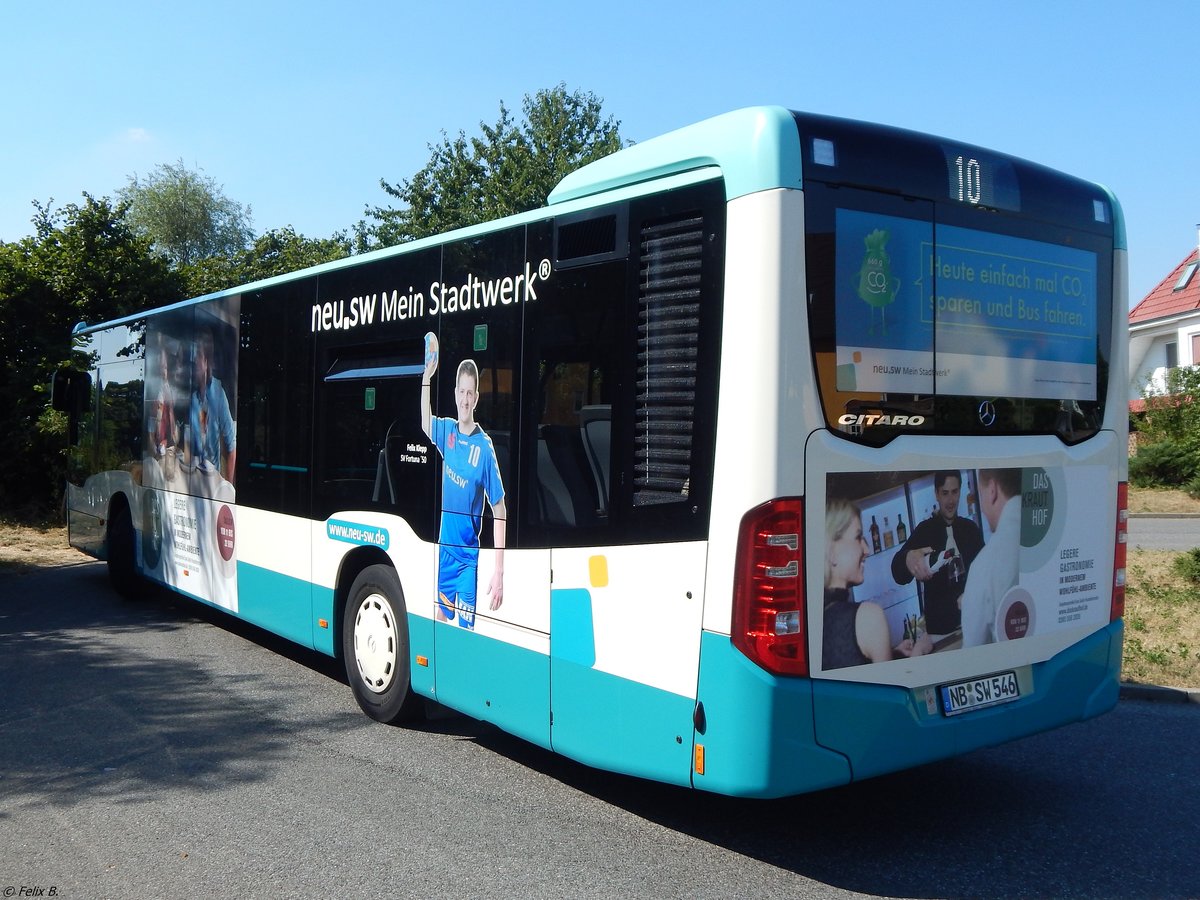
{"x":1162,"y":603}
{"x":25,"y":548}
{"x":1162,"y":620}
{"x":1162,"y":500}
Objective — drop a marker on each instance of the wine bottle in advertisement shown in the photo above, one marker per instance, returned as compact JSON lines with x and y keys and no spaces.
{"x":957,"y":568}
{"x":875,"y":548}
{"x":901,"y":529}
{"x":888,"y":538}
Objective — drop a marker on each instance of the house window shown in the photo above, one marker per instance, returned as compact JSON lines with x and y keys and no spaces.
{"x":1185,"y":277}
{"x":1172,"y":349}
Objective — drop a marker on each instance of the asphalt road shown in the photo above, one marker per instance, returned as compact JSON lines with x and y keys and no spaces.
{"x":165,"y":750}
{"x":1164,"y":532}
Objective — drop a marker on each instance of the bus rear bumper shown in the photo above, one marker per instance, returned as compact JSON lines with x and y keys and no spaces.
{"x":885,"y":729}
{"x":828,"y":733}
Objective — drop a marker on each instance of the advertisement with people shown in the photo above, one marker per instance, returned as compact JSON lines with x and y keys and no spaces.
{"x":188,"y":467}
{"x":933,"y":562}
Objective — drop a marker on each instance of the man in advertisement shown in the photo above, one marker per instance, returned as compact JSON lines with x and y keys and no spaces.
{"x":998,"y":564}
{"x":939,"y":554}
{"x":213,"y":438}
{"x":470,"y":473}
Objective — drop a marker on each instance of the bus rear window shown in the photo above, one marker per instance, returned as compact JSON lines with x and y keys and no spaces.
{"x":931,"y":318}
{"x":937,"y":309}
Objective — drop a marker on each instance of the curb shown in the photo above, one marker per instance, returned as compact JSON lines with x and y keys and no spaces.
{"x":1157,"y":694}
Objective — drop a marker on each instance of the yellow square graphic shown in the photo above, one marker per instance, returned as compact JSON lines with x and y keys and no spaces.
{"x":598,"y":571}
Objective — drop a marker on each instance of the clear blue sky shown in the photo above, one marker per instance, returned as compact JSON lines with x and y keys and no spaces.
{"x":299,"y":108}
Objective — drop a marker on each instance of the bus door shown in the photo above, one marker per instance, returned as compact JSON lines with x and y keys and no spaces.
{"x":491,"y":601}
{"x":608,"y":481}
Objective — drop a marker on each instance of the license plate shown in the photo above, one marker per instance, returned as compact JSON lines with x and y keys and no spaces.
{"x":977,"y":693}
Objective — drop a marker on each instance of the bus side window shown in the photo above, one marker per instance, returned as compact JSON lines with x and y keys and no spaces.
{"x":566,"y":490}
{"x":578,"y":359}
{"x":370,"y":450}
{"x":275,"y":400}
{"x":595,"y":424}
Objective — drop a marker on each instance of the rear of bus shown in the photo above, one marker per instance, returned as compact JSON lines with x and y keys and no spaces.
{"x":923,"y":470}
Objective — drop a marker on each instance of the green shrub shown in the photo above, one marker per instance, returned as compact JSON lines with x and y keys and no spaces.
{"x":1165,"y":463}
{"x":1187,"y":565}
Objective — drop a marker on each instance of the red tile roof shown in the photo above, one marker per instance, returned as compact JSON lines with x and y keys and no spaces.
{"x":1162,"y":401}
{"x":1164,"y":300}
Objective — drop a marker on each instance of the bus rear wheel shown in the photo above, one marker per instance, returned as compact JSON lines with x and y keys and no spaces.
{"x":375,"y":646}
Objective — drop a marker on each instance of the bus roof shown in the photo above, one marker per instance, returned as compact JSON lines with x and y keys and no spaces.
{"x":756,"y":149}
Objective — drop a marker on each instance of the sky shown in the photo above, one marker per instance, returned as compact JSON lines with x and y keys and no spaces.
{"x":298,"y":109}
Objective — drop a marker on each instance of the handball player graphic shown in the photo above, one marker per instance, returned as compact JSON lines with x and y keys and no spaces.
{"x":470,"y":473}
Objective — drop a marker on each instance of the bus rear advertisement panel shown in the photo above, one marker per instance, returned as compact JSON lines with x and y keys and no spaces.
{"x":944,"y":562}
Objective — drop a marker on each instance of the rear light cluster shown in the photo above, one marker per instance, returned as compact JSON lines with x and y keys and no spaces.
{"x":1120,"y":556}
{"x":768,"y":588}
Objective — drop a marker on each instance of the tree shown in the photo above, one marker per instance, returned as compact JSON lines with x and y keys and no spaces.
{"x":277,"y":252}
{"x":283,"y":250}
{"x":84,"y":263}
{"x":510,"y":168}
{"x":1168,"y":447}
{"x":1173,"y":413}
{"x":186,"y":214}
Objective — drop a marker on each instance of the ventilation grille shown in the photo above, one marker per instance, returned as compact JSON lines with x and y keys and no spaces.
{"x":668,"y":351}
{"x":591,"y":237}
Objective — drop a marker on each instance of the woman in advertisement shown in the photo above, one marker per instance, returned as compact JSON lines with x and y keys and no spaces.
{"x":854,"y":633}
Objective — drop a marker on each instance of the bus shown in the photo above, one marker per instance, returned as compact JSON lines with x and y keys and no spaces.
{"x":774,"y":453}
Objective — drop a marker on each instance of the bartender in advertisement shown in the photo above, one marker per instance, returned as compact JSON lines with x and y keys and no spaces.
{"x":939,"y":554}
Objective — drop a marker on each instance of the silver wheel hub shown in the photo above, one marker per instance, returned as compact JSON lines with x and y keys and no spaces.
{"x":375,"y":642}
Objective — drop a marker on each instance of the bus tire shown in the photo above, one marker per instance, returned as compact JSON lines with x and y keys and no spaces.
{"x":121,"y":553}
{"x":375,"y":646}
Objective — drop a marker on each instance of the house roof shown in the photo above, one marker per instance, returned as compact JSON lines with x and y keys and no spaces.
{"x":1165,"y":300}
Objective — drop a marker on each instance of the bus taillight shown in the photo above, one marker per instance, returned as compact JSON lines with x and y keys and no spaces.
{"x":1119,"y":557}
{"x":768,"y":588}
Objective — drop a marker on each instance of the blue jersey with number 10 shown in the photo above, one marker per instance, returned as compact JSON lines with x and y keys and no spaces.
{"x":469,"y":473}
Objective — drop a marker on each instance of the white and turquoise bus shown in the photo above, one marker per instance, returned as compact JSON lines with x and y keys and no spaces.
{"x":775,"y":453}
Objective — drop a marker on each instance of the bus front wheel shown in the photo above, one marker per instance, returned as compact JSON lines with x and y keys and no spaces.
{"x":375,"y":646}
